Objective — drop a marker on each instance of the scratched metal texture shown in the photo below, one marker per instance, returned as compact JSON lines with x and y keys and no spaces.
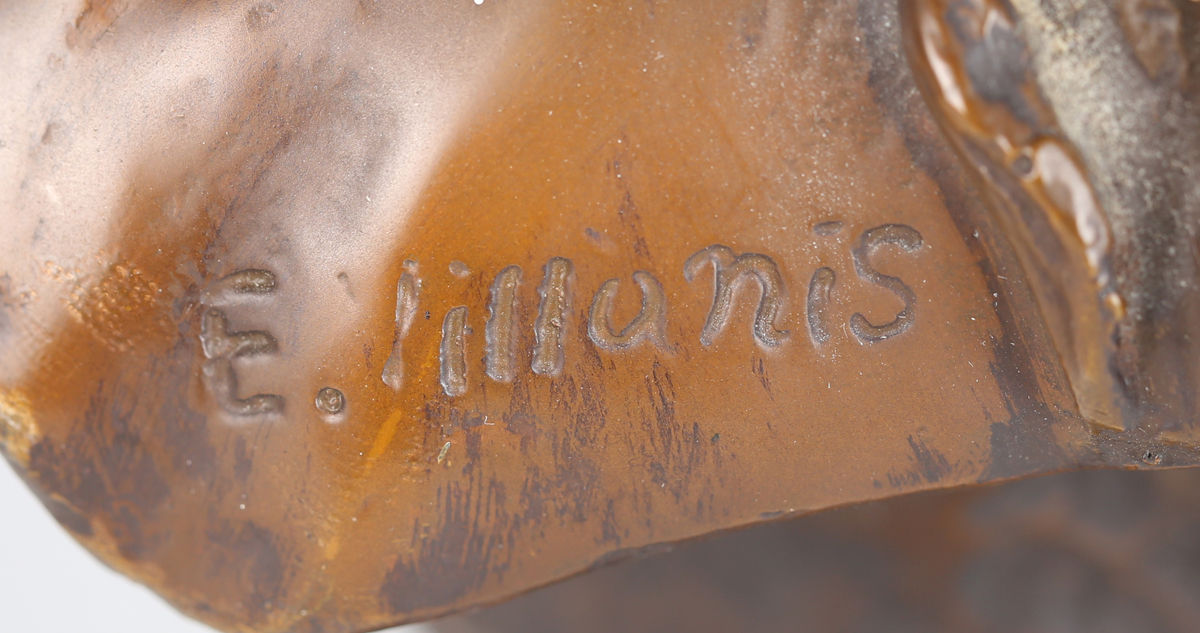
{"x":1086,"y":552}
{"x":214,"y":374}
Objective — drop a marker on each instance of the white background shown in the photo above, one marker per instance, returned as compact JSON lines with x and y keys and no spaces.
{"x":50,"y":584}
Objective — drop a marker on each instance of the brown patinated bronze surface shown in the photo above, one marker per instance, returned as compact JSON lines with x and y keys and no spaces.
{"x":1073,"y":553}
{"x":328,"y":318}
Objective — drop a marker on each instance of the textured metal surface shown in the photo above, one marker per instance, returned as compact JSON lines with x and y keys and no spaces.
{"x":1081,"y":118}
{"x":1074,"y":553}
{"x":308,"y":317}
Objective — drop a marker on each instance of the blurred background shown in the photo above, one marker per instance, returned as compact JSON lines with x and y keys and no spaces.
{"x":1083,"y":552}
{"x":50,"y":584}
